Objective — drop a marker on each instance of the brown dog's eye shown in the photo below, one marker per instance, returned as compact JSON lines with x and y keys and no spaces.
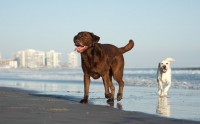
{"x":166,"y":63}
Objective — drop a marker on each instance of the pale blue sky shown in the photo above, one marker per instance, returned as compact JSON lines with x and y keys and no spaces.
{"x":160,"y":28}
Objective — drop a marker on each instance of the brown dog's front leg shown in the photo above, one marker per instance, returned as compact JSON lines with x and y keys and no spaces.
{"x":86,"y":88}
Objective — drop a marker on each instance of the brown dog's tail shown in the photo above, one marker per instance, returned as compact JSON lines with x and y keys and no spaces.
{"x":128,"y":46}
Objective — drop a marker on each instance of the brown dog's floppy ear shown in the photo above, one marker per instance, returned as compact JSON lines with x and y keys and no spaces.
{"x":75,"y":38}
{"x":98,"y":53}
{"x":95,"y":38}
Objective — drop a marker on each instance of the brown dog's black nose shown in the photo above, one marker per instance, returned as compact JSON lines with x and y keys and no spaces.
{"x":77,"y":41}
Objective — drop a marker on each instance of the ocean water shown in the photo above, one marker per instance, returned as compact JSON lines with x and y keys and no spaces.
{"x":140,"y":91}
{"x":182,"y":78}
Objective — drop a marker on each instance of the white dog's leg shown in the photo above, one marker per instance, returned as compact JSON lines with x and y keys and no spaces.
{"x":160,"y":88}
{"x":167,"y":88}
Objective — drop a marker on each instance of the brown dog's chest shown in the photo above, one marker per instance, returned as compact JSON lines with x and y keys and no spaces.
{"x":94,"y":69}
{"x":95,"y":75}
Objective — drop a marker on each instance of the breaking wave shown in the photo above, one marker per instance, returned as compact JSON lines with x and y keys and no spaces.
{"x":183,"y":78}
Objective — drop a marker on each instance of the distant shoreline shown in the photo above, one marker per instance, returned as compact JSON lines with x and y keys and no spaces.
{"x":196,"y":68}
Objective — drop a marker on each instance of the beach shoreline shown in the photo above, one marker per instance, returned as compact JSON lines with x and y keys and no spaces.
{"x":19,"y":106}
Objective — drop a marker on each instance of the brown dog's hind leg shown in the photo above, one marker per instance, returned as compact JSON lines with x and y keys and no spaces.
{"x":120,"y":91}
{"x":108,"y":86}
{"x":118,"y":78}
{"x":112,"y":94}
{"x":117,"y":70}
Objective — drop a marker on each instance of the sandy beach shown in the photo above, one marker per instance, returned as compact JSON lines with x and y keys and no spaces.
{"x":180,"y":103}
{"x":20,"y":106}
{"x":53,"y":95}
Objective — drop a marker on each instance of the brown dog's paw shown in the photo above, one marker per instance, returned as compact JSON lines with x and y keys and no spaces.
{"x":84,"y":101}
{"x":119,"y":96}
{"x":110,"y":100}
{"x":111,"y":103}
{"x":108,"y":96}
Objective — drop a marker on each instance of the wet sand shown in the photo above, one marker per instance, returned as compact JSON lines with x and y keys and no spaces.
{"x":180,"y":103}
{"x":19,"y":106}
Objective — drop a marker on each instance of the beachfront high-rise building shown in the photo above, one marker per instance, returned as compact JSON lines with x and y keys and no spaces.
{"x":30,"y":58}
{"x":8,"y":63}
{"x":72,"y":60}
{"x":53,"y":59}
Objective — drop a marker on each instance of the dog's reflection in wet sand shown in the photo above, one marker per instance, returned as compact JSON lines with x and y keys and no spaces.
{"x":119,"y":105}
{"x":163,"y":107}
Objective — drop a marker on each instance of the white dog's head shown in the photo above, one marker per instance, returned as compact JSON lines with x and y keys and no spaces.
{"x":165,"y":64}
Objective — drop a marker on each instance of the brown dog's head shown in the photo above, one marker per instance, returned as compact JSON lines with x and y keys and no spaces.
{"x":85,"y":40}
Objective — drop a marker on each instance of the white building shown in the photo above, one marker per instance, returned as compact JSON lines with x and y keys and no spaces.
{"x":20,"y":58}
{"x":30,"y":58}
{"x":7,"y":63}
{"x":72,"y":60}
{"x":53,"y":59}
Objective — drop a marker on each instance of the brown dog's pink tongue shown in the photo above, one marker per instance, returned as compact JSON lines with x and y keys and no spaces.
{"x":78,"y":49}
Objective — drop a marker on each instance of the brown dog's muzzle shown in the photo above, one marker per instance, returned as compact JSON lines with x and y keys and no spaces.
{"x":77,"y":42}
{"x":79,"y":46}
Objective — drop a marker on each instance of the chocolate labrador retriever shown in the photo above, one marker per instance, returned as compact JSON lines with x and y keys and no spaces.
{"x":101,"y":60}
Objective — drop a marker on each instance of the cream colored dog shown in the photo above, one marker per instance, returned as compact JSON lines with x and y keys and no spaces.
{"x":164,"y":75}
